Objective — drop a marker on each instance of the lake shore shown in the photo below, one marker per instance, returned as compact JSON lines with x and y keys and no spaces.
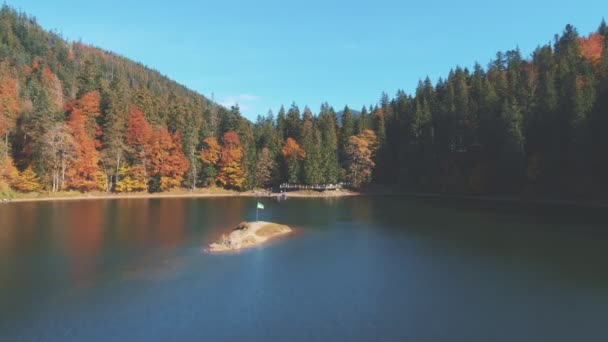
{"x":249,"y":234}
{"x":199,"y":193}
{"x":218,"y":192}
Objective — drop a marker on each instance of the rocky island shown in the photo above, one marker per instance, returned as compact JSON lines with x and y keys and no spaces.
{"x":248,"y":234}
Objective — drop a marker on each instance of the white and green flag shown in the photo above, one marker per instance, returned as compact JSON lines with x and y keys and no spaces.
{"x":260,"y":205}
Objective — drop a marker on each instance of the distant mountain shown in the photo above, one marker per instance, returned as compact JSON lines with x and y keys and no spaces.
{"x":339,"y":114}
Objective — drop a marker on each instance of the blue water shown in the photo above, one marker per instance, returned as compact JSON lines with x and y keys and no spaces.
{"x":357,"y":269}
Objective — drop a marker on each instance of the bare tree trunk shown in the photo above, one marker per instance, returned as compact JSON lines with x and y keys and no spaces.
{"x":108,"y":180}
{"x":55,"y":180}
{"x":145,"y":173}
{"x":6,"y":144}
{"x":193,"y":170}
{"x":117,"y":168}
{"x":63,"y":167}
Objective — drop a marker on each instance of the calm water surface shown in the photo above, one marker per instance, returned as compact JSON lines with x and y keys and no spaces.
{"x":358,"y":269}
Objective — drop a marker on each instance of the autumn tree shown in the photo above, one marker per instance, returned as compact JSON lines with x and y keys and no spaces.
{"x":139,"y":136}
{"x":209,"y":156}
{"x":8,"y":171}
{"x":266,"y":168}
{"x":360,"y":152}
{"x":167,"y":163}
{"x":83,"y":172}
{"x":26,"y":181}
{"x":292,"y":154}
{"x":591,"y":48}
{"x":131,"y":179}
{"x":57,"y":152}
{"x":231,"y":174}
{"x":9,"y":108}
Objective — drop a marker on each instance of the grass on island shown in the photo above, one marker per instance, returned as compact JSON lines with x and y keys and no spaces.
{"x":270,"y":229}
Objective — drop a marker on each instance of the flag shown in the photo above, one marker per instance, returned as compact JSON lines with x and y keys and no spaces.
{"x":260,"y":205}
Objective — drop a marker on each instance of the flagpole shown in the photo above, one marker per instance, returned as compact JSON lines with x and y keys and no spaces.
{"x":256,"y":212}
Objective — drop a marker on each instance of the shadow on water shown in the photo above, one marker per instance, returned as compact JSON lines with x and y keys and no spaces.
{"x":568,"y":243}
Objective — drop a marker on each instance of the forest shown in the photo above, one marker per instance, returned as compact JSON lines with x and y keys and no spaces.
{"x":76,"y":117}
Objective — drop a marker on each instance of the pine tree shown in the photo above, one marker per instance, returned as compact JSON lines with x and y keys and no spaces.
{"x":293,"y":123}
{"x":329,"y":145}
{"x":364,"y":121}
{"x":281,"y":125}
{"x":311,"y":142}
{"x":347,"y":129}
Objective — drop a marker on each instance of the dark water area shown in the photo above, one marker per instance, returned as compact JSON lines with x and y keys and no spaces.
{"x":358,"y":269}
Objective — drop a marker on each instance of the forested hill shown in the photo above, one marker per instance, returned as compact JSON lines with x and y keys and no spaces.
{"x":51,"y":90}
{"x":74,"y":117}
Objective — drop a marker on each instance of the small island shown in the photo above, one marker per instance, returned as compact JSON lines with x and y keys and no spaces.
{"x":248,"y":234}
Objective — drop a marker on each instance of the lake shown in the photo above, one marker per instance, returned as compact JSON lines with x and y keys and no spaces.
{"x":357,"y":269}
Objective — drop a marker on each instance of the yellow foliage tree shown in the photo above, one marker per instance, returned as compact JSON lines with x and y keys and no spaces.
{"x":27,"y":181}
{"x":101,"y":180}
{"x":167,"y":183}
{"x":8,"y":171}
{"x":131,"y":179}
{"x":360,"y":153}
{"x":231,"y":173}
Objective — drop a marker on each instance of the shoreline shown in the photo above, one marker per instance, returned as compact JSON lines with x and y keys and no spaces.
{"x":217,"y":193}
{"x":185,"y":194}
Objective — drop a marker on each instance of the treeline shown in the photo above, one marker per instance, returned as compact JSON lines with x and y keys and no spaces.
{"x":522,"y":126}
{"x":76,"y":117}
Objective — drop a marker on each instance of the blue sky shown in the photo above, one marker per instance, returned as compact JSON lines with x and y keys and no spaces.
{"x":262,"y":54}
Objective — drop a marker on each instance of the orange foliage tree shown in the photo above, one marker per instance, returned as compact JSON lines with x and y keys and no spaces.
{"x":8,"y":171}
{"x":231,"y":174}
{"x":591,"y":48}
{"x":84,"y":170}
{"x":292,"y":154}
{"x":54,"y":88}
{"x":210,"y":155}
{"x":360,"y":151}
{"x":9,"y":106}
{"x":139,"y":137}
{"x":9,"y":110}
{"x":167,"y":161}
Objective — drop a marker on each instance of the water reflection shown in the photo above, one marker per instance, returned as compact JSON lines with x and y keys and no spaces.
{"x":357,"y":269}
{"x":80,"y":233}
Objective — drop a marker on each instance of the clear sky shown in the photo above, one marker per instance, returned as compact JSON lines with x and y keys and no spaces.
{"x":262,"y":54}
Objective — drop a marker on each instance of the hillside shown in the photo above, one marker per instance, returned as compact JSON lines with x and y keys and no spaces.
{"x":45,"y":82}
